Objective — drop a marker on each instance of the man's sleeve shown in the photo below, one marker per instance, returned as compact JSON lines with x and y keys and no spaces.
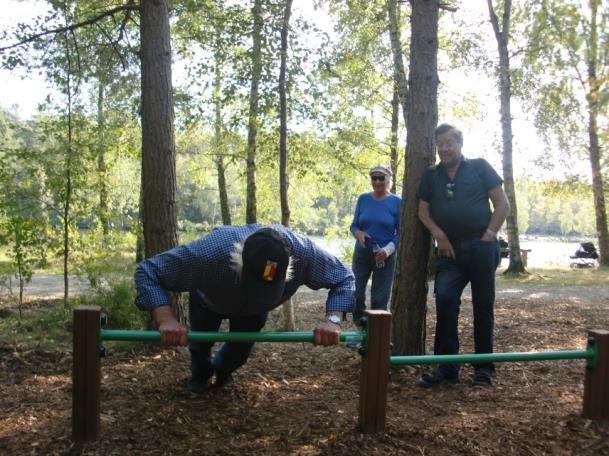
{"x":489,"y":175}
{"x":326,"y":271}
{"x":168,"y":271}
{"x":424,"y":190}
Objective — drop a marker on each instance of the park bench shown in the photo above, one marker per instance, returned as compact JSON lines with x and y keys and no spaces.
{"x":524,"y":254}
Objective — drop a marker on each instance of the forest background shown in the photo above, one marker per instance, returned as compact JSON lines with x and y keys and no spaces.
{"x":71,"y":172}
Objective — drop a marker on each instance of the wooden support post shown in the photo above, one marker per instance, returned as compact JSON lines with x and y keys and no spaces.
{"x":596,"y":383}
{"x":86,"y":374}
{"x":375,"y":372}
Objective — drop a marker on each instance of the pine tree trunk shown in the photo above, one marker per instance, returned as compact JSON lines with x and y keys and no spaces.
{"x":409,"y":302}
{"x":160,"y":220}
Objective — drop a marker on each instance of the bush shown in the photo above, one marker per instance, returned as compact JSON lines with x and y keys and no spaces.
{"x":116,"y":300}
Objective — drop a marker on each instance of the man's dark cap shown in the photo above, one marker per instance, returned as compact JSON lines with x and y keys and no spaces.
{"x":266,"y":255}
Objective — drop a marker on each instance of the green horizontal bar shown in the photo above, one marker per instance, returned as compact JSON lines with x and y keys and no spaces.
{"x":131,"y":335}
{"x":589,"y":354}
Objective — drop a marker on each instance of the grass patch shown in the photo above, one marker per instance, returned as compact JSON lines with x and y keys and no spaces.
{"x":557,"y":277}
{"x":44,"y":324}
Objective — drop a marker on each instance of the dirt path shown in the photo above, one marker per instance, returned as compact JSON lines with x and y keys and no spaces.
{"x":49,"y":286}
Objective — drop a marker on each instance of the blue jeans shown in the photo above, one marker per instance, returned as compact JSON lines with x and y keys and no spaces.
{"x":231,"y":355}
{"x":475,"y":262}
{"x":363,"y":266}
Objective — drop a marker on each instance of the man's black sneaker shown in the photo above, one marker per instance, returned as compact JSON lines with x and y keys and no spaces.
{"x":223,"y":380}
{"x":199,"y":386}
{"x":437,"y":377}
{"x":482,"y":378}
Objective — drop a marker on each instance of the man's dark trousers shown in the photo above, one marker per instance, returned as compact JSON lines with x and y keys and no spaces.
{"x":475,"y":262}
{"x":231,"y":355}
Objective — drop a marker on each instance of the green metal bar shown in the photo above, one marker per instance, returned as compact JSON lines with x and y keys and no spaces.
{"x":130,"y":335}
{"x":588,"y":354}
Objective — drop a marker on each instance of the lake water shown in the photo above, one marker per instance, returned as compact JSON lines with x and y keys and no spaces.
{"x":546,"y":253}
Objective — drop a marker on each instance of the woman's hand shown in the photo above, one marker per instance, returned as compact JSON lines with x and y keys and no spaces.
{"x":380,"y":256}
{"x":361,"y":237}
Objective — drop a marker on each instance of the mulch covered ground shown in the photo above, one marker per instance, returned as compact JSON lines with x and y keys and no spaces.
{"x":300,"y":399}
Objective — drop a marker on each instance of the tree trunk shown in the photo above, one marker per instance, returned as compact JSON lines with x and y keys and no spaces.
{"x":68,"y":182}
{"x":516,"y":266}
{"x":219,"y":158}
{"x":409,"y":302}
{"x":160,"y":220}
{"x":393,"y":141}
{"x":288,"y":306}
{"x":251,"y":205}
{"x":283,"y":119}
{"x":399,"y":72}
{"x":592,"y":99}
{"x":101,"y":153}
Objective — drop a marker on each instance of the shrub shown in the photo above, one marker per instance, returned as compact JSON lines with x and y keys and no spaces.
{"x":116,"y":300}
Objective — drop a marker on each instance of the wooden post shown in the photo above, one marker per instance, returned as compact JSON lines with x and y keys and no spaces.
{"x":375,"y":372}
{"x":86,"y":374}
{"x":596,"y":383}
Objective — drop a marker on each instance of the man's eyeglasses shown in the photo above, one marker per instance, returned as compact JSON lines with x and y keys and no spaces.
{"x":377,"y":178}
{"x":450,"y":190}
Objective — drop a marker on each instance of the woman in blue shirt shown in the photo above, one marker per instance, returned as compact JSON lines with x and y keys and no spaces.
{"x":375,"y":226}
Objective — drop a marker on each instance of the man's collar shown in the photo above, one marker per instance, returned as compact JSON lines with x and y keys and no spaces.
{"x":461,"y":162}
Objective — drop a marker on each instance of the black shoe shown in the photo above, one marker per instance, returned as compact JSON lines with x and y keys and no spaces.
{"x":437,"y":377}
{"x":223,"y":380}
{"x":482,"y":378}
{"x":199,"y":386}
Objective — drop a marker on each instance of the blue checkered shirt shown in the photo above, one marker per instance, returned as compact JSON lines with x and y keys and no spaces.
{"x":204,"y":267}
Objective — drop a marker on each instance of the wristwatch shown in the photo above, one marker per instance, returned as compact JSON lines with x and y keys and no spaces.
{"x":334,"y":319}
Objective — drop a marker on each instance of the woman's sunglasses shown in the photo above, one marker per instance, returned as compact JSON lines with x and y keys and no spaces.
{"x":377,"y":178}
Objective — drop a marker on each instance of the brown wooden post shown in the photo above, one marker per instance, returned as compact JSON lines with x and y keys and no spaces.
{"x":86,"y":374}
{"x":375,"y":372}
{"x":596,"y":383}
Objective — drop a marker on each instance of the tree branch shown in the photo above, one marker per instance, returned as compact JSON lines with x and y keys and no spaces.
{"x":128,"y":7}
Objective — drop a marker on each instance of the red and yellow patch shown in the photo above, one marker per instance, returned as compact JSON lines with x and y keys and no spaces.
{"x":269,"y":271}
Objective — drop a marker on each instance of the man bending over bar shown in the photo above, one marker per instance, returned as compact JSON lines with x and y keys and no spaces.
{"x":239,"y":273}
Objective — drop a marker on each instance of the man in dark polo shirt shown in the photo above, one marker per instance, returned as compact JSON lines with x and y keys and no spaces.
{"x":454,"y":206}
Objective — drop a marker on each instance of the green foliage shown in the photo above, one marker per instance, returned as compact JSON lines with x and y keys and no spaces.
{"x":555,"y":208}
{"x":566,"y":70}
{"x":116,"y":299}
{"x":23,"y":226}
{"x":103,"y":258}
